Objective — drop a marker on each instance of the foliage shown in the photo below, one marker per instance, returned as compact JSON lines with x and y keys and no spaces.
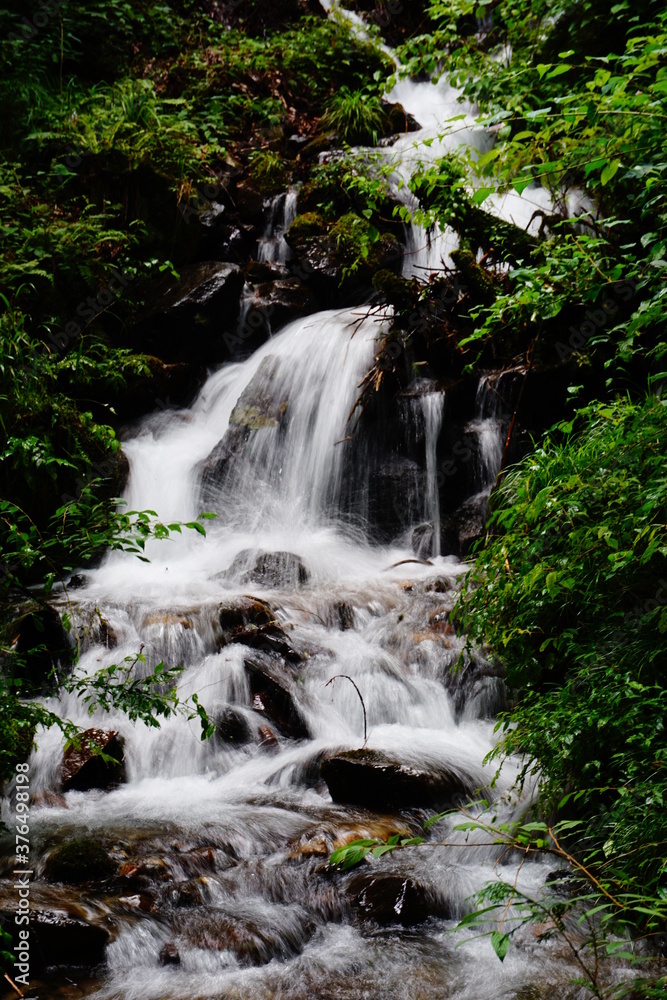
{"x":357,"y":116}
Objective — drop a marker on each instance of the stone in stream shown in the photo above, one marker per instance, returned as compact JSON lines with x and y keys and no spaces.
{"x":62,"y":940}
{"x":375,"y":780}
{"x":272,"y":692}
{"x":169,"y":955}
{"x":388,"y":898}
{"x":232,"y":728}
{"x":328,"y":836}
{"x":270,"y":569}
{"x":258,"y":406}
{"x":84,"y":768}
{"x":251,"y":623}
{"x":81,"y":860}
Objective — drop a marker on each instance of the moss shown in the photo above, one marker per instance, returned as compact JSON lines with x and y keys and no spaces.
{"x":80,"y":860}
{"x":268,"y":172}
{"x":305,"y":227}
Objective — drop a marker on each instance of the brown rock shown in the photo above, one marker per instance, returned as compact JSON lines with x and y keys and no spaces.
{"x":83,"y":768}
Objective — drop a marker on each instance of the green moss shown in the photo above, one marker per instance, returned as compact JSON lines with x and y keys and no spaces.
{"x":306,"y":226}
{"x":80,"y":860}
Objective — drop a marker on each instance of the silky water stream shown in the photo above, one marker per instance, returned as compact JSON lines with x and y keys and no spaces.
{"x":225,"y":843}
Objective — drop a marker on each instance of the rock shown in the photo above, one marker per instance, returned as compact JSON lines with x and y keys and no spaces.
{"x":399,"y":120}
{"x":270,"y":569}
{"x":259,"y":271}
{"x":250,"y":203}
{"x":203,"y":302}
{"x":77,"y":581}
{"x":279,"y":302}
{"x":268,"y":738}
{"x":80,"y":860}
{"x":215,"y":467}
{"x":273,"y":693}
{"x":63,"y":940}
{"x":469,"y":521}
{"x":374,"y":780}
{"x":343,"y":615}
{"x":239,"y":618}
{"x":41,"y":646}
{"x":259,"y":405}
{"x":83,"y":768}
{"x":169,"y":955}
{"x":233,"y":728}
{"x":387,"y":898}
{"x":329,"y":836}
{"x":396,"y":489}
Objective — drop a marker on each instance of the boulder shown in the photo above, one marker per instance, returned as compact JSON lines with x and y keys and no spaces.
{"x":388,"y":898}
{"x":62,"y":940}
{"x":398,"y":119}
{"x":269,"y":569}
{"x":201,"y":303}
{"x":259,"y":271}
{"x":329,"y":836}
{"x":239,"y":618}
{"x":273,"y":696}
{"x":260,"y":404}
{"x":232,"y":728}
{"x":216,"y":465}
{"x":279,"y":302}
{"x":81,"y":860}
{"x":84,"y":768}
{"x":375,"y":780}
{"x":41,"y":646}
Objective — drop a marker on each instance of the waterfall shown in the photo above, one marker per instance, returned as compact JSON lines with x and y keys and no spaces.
{"x":223,"y":844}
{"x":282,"y":213}
{"x":489,"y":425}
{"x":433,"y":406}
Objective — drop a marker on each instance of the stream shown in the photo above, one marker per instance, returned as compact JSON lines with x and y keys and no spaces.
{"x":224,"y":844}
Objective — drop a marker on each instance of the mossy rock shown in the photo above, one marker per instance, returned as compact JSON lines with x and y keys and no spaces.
{"x":306,"y":226}
{"x":81,"y":860}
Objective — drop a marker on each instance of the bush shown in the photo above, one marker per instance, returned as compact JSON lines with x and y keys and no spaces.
{"x":357,"y":116}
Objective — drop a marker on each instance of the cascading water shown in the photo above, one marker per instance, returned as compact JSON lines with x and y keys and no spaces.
{"x":223,"y":844}
{"x":282,"y":213}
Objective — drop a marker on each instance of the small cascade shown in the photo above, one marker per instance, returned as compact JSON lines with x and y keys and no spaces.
{"x":490,"y":426}
{"x":433,"y":404}
{"x":273,"y":245}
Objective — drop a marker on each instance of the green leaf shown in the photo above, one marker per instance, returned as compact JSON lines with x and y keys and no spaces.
{"x":500,"y":943}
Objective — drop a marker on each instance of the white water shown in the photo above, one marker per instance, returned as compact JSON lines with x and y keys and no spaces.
{"x":248,"y":808}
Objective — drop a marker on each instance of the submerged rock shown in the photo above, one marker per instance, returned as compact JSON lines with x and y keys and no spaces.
{"x":81,"y":860}
{"x":387,"y":898}
{"x":84,"y":768}
{"x":170,"y":955}
{"x":327,"y":837}
{"x":232,"y":728}
{"x":375,"y":780}
{"x":258,"y":405}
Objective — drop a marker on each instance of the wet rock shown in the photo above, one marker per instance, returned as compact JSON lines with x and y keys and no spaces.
{"x":83,"y":768}
{"x":373,"y":779}
{"x":396,"y":491}
{"x":327,"y":837}
{"x":343,"y":615}
{"x":49,"y":799}
{"x":63,"y":940}
{"x":270,"y":569}
{"x":273,"y":695}
{"x":253,"y":941}
{"x":78,"y":861}
{"x":469,"y":522}
{"x":258,"y":405}
{"x":250,"y":203}
{"x":281,"y":301}
{"x":169,"y":955}
{"x":268,"y":740}
{"x":141,"y":901}
{"x":239,"y":618}
{"x":398,"y":119}
{"x":232,"y":728}
{"x":258,"y":272}
{"x":77,"y":581}
{"x":190,"y":893}
{"x":215,"y":467}
{"x":203,"y":301}
{"x":389,"y":899}
{"x":167,"y":619}
{"x":41,"y":646}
